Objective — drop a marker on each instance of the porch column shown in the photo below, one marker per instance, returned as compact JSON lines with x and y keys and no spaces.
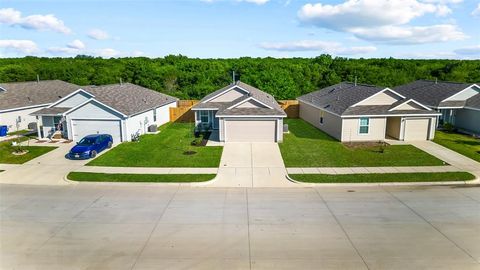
{"x":39,"y":134}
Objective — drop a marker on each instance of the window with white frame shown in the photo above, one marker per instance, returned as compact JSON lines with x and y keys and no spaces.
{"x":154,"y":115}
{"x":364,"y":125}
{"x":204,"y":116}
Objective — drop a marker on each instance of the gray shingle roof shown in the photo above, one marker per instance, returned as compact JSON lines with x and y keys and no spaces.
{"x":473,"y":102}
{"x":339,"y":97}
{"x":430,"y":93}
{"x":383,"y":110}
{"x":51,"y":111}
{"x":252,"y":92}
{"x":26,"y":94}
{"x":128,"y":98}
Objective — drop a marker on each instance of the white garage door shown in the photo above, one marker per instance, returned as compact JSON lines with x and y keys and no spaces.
{"x":82,"y":128}
{"x":250,"y":130}
{"x":416,"y":129}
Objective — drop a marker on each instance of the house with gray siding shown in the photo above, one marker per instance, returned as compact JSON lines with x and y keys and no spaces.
{"x":240,"y":113}
{"x":353,"y":112}
{"x":458,"y":103}
{"x":121,"y":110}
{"x":19,"y":99}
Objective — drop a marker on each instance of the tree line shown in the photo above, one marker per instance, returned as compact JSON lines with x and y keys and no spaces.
{"x":193,"y":78}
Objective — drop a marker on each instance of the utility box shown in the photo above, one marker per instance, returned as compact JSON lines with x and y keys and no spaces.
{"x":285,"y":128}
{"x":152,"y":128}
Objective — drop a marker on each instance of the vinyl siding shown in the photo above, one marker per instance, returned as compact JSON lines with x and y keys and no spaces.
{"x":384,"y":98}
{"x":74,"y":100}
{"x":332,"y":124}
{"x":376,"y":130}
{"x":9,"y":118}
{"x":228,"y":96}
{"x":468,"y":119}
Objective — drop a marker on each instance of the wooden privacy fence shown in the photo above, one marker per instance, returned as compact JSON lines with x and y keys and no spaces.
{"x":290,"y":107}
{"x":183,"y":112}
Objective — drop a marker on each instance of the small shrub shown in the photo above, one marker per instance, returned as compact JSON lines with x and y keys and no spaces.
{"x":448,"y":127}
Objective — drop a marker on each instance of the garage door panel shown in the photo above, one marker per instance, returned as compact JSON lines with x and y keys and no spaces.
{"x":416,"y":129}
{"x":82,"y":128}
{"x":250,"y":130}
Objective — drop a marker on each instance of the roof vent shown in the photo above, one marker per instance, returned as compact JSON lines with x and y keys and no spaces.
{"x":328,"y":105}
{"x":29,"y":99}
{"x":331,"y":90}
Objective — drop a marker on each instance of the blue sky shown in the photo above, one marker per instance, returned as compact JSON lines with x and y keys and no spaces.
{"x":235,"y":28}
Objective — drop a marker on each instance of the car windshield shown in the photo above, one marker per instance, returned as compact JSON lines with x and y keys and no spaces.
{"x":87,"y":141}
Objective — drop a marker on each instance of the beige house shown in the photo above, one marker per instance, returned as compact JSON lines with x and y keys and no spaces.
{"x":356,"y":112}
{"x":240,"y":113}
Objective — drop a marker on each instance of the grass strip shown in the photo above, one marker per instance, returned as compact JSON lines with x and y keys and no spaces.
{"x":125,"y":177}
{"x":383,"y":178}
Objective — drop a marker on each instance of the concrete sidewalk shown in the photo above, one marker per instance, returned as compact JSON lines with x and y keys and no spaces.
{"x":146,"y":170}
{"x":366,"y":170}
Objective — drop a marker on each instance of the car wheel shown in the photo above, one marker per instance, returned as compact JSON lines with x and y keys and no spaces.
{"x":109,"y":145}
{"x":93,"y":154}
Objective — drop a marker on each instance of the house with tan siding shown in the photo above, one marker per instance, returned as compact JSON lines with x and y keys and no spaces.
{"x":352,"y":112}
{"x":240,"y":113}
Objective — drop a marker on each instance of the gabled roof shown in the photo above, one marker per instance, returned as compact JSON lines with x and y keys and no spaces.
{"x":51,"y":111}
{"x":339,"y":97}
{"x":129,"y":98}
{"x":28,"y":94}
{"x":431,"y":93}
{"x":230,"y":108}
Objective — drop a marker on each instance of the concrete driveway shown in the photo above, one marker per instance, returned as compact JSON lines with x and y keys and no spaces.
{"x":99,"y":227}
{"x":48,"y":169}
{"x":251,"y":165}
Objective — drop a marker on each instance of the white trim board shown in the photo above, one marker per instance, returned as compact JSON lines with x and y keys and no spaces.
{"x":410,"y":100}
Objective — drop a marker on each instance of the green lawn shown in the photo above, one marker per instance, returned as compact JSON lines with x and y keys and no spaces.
{"x":165,"y":149}
{"x":155,"y":178}
{"x":20,"y":132}
{"x":463,"y":144}
{"x":307,"y":146}
{"x":387,"y":177}
{"x":7,"y":157}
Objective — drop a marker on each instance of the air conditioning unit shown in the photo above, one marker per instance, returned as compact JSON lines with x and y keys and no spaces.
{"x":152,"y":128}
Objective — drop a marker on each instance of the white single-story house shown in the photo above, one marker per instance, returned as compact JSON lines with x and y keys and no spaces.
{"x":241,"y":113}
{"x":120,"y":110}
{"x":18,"y":100}
{"x":458,"y":103}
{"x":353,"y":112}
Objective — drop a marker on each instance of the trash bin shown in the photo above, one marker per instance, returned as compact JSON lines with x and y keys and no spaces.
{"x":3,"y":131}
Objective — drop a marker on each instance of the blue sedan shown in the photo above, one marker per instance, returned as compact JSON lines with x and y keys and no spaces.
{"x":90,"y":146}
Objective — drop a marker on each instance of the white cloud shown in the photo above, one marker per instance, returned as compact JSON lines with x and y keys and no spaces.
{"x":363,"y":13}
{"x":20,"y":46}
{"x":76,"y":44}
{"x":107,"y":53}
{"x":74,"y":47}
{"x":472,"y":50}
{"x":12,"y":17}
{"x":98,"y":34}
{"x":317,"y":45}
{"x":410,"y":34}
{"x":476,"y":11}
{"x":383,"y":21}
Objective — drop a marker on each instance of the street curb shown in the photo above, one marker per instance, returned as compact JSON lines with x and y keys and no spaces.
{"x":445,"y":183}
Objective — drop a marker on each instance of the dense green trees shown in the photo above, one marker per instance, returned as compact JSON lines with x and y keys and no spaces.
{"x":191,"y":78}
